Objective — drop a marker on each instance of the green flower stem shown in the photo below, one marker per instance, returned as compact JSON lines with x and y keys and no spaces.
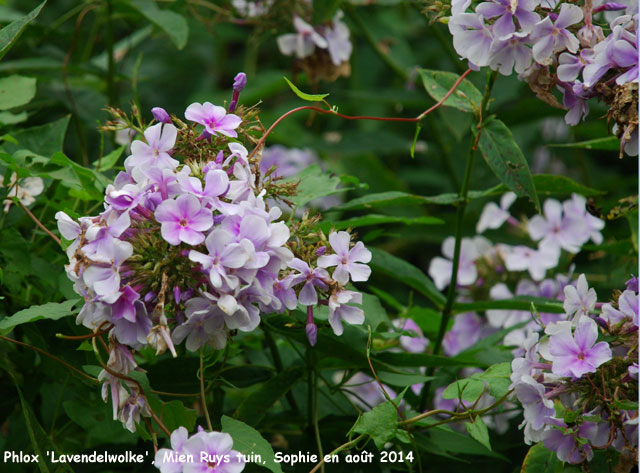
{"x":203,"y":397}
{"x":462,"y":205}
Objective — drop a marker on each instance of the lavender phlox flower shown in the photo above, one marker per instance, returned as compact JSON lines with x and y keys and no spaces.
{"x":633,"y":370}
{"x":580,"y":300}
{"x":156,"y":151}
{"x":537,"y":408}
{"x":311,"y":278}
{"x":576,"y":208}
{"x":625,"y":55}
{"x":440,"y":268}
{"x":574,"y":99}
{"x":101,"y":238}
{"x":167,"y":460}
{"x":627,"y":309}
{"x":510,"y":52}
{"x":506,"y":10}
{"x":205,"y":324}
{"x":552,"y":37}
{"x":466,"y":331}
{"x":104,"y":278}
{"x":311,"y":329}
{"x":135,"y":333}
{"x":565,"y":444}
{"x":113,"y":385}
{"x":348,"y":262}
{"x":216,"y":183}
{"x":183,"y":220}
{"x":527,"y":363}
{"x":223,"y":255}
{"x":472,"y":38}
{"x":578,"y":354}
{"x":160,"y":115}
{"x":212,"y":453}
{"x":339,"y":309}
{"x":303,"y":42}
{"x":523,"y":258}
{"x":285,"y":294}
{"x":493,"y":216}
{"x":238,"y":152}
{"x":570,"y":66}
{"x":337,"y":36}
{"x":243,"y":185}
{"x":26,"y":189}
{"x":556,"y":229}
{"x":68,"y":228}
{"x":417,"y":343}
{"x":597,"y":433}
{"x":215,"y":119}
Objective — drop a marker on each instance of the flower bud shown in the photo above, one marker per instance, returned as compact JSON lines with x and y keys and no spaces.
{"x":312,"y":333}
{"x":610,"y":6}
{"x":239,"y":83}
{"x":161,"y":115}
{"x":320,"y":251}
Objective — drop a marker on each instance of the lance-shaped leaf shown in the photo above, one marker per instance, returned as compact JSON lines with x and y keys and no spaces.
{"x":505,"y":159}
{"x":438,"y":83}
{"x":10,"y":33}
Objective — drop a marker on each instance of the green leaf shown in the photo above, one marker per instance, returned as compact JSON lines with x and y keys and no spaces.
{"x":498,"y":378}
{"x":174,"y":414}
{"x":478,"y":431}
{"x":467,"y":389}
{"x":539,"y":459}
{"x":437,"y":83}
{"x":422,"y":360}
{"x":632,"y":218}
{"x":8,"y":118}
{"x":16,"y":90}
{"x":172,"y":23}
{"x":10,"y":33}
{"x":314,"y":183}
{"x":304,"y":96}
{"x":96,"y":419}
{"x":380,"y":423}
{"x":50,"y":311}
{"x":43,"y":140}
{"x":514,"y":303}
{"x":505,"y":159}
{"x":374,"y":219}
{"x":109,"y":161}
{"x":248,"y":440}
{"x":382,"y":199}
{"x":255,"y":406}
{"x":40,"y":441}
{"x":374,"y":313}
{"x":610,"y":143}
{"x":402,"y":380}
{"x":392,"y":266}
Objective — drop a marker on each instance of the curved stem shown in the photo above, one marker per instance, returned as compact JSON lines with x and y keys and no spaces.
{"x":359,"y":117}
{"x":342,"y":447}
{"x":38,"y":222}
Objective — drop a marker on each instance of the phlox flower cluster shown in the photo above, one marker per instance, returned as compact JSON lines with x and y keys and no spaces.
{"x":210,"y":452}
{"x":555,"y":45}
{"x":187,"y":249}
{"x":308,"y":40}
{"x":503,"y":271}
{"x":573,"y":388}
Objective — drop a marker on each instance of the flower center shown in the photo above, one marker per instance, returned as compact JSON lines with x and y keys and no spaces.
{"x":183,"y":222}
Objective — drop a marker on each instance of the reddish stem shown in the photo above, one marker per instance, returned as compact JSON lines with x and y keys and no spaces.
{"x":38,"y":222}
{"x":359,"y":117}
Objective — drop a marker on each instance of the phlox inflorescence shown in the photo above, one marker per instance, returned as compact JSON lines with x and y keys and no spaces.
{"x":192,"y":247}
{"x":556,"y":45}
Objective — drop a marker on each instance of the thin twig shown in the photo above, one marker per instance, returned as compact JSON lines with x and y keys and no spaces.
{"x":38,"y":222}
{"x":53,"y":357}
{"x":358,"y":117}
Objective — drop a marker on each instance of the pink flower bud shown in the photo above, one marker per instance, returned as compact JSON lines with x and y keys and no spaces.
{"x":161,"y":115}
